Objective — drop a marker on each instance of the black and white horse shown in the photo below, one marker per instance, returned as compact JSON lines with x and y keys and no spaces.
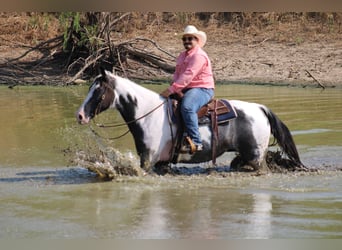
{"x":147,"y":118}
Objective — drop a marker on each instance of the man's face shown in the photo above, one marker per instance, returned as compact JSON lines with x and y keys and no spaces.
{"x":189,"y":42}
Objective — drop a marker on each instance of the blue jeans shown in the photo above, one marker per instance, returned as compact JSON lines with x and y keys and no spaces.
{"x":192,"y":101}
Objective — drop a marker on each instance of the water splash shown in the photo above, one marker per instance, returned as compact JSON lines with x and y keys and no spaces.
{"x":98,"y":155}
{"x":110,"y":163}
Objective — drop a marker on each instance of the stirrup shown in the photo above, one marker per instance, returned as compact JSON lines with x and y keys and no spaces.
{"x":190,"y":147}
{"x":191,"y":144}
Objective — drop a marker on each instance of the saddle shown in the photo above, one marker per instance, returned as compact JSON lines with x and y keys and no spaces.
{"x":215,"y":112}
{"x":219,"y":107}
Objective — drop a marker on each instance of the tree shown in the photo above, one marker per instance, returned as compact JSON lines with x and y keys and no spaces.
{"x":86,"y":43}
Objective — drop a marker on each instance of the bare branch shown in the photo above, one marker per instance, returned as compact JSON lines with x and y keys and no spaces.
{"x":155,"y":44}
{"x":319,"y":83}
{"x":38,"y":47}
{"x":89,"y":62}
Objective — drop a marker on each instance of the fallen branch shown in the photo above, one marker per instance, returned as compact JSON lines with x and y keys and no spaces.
{"x":16,"y":44}
{"x":121,"y":65}
{"x":254,"y":45}
{"x":45,"y":59}
{"x":38,"y":47}
{"x":80,"y":51}
{"x":151,"y":59}
{"x":111,"y":25}
{"x":156,"y":45}
{"x":21,"y":69}
{"x":319,"y":83}
{"x":86,"y":65}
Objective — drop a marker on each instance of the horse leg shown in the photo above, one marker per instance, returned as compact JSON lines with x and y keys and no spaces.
{"x":162,"y":168}
{"x":251,"y":152}
{"x":249,"y":162}
{"x":250,"y":140}
{"x":145,"y":162}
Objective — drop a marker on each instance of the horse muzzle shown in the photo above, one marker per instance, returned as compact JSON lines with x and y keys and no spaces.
{"x":82,"y":118}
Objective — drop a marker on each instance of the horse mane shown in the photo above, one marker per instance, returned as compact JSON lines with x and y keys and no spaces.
{"x":122,"y":84}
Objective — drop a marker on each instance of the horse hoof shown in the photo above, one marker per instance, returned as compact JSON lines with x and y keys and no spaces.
{"x":163,"y":170}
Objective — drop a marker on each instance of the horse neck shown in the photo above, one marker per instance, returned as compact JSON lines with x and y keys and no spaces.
{"x":144,"y":112}
{"x":133,"y":99}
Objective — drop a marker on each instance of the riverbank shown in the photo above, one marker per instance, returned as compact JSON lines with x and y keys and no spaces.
{"x":295,"y":53}
{"x":311,"y":63}
{"x":276,"y":56}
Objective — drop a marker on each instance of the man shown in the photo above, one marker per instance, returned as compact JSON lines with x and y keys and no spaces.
{"x":193,"y":78}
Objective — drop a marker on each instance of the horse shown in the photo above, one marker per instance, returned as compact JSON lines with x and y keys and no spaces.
{"x":146,"y":114}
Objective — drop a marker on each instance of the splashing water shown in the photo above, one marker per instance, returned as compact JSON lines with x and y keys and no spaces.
{"x":99,"y":155}
{"x":110,"y":163}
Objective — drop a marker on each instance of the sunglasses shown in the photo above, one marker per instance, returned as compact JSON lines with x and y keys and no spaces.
{"x":188,"y":38}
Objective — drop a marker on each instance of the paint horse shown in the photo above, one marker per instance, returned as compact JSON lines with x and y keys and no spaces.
{"x":146,"y":115}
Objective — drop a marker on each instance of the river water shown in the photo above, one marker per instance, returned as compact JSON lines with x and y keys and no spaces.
{"x":43,"y":195}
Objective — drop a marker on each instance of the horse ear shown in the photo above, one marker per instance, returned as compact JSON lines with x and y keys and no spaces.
{"x":103,"y":72}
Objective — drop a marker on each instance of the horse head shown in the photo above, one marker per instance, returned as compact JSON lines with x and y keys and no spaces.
{"x":100,"y":97}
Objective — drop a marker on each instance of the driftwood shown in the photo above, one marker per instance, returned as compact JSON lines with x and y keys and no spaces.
{"x":43,"y":45}
{"x":319,"y":83}
{"x":86,"y":65}
{"x":150,"y":58}
{"x":63,"y":60}
{"x":15,"y":71}
{"x":125,"y":57}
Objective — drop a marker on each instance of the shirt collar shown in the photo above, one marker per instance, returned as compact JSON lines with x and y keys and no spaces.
{"x":192,"y":51}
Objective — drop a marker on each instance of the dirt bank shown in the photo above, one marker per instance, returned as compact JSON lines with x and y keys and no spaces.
{"x":275,"y":56}
{"x":272,"y":62}
{"x":284,"y":53}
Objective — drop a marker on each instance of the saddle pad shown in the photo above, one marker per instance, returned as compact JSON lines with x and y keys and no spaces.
{"x":225,"y":117}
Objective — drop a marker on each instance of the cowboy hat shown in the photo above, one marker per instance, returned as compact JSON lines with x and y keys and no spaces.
{"x":192,"y":30}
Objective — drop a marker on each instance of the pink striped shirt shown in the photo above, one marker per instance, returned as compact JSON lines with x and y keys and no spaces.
{"x":193,"y":70}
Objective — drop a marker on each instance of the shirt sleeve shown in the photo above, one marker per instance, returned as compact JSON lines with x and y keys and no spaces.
{"x":194,"y":67}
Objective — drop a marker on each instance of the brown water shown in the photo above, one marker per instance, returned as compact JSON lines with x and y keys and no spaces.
{"x":42,"y":197}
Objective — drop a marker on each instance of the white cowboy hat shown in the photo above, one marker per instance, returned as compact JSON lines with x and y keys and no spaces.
{"x":192,"y":30}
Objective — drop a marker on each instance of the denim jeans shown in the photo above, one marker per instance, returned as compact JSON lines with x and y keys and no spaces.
{"x":192,"y":101}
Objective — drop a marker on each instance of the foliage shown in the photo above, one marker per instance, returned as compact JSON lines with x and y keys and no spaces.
{"x":79,"y":32}
{"x":83,"y":29}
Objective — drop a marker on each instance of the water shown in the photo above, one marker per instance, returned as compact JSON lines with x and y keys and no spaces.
{"x":41,"y":196}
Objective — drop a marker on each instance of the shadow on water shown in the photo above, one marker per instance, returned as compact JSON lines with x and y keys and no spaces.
{"x":197,"y":170}
{"x":64,"y":176}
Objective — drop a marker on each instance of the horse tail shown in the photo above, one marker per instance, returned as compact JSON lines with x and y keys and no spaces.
{"x":282,"y":135}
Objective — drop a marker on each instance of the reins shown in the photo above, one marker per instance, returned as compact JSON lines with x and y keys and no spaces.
{"x":110,"y":138}
{"x":132,"y":121}
{"x":123,"y":123}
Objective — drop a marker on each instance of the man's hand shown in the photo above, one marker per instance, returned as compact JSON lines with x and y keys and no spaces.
{"x":166,"y":93}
